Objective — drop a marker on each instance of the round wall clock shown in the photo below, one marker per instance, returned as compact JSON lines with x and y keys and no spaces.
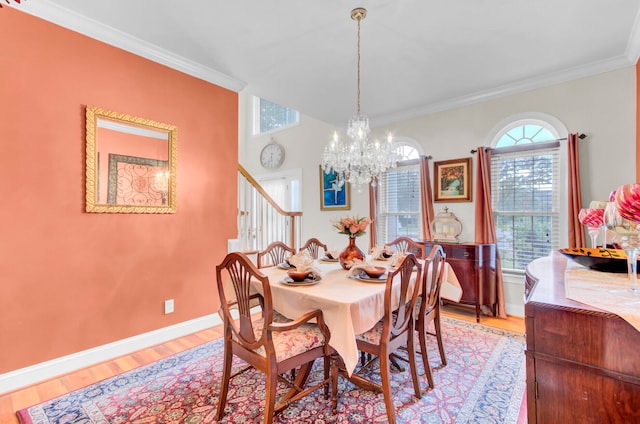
{"x":272,"y":155}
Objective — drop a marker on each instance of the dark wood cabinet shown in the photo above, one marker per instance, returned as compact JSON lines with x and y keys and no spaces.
{"x":582,"y":362}
{"x":475,"y":267}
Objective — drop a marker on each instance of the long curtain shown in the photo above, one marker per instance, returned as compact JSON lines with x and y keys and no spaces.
{"x":485,"y":228}
{"x":426,"y":198}
{"x":373,"y":214}
{"x":576,"y":231}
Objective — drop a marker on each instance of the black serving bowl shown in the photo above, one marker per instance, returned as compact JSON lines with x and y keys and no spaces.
{"x":598,"y":259}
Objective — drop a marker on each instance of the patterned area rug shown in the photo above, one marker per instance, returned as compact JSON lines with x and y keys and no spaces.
{"x":483,"y":382}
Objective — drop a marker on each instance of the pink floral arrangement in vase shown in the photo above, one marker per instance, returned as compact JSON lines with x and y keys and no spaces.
{"x":352,"y":226}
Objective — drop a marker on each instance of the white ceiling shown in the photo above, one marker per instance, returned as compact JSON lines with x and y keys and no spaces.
{"x":418,"y":56}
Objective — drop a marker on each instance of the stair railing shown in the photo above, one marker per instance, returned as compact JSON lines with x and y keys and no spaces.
{"x":261,"y":220}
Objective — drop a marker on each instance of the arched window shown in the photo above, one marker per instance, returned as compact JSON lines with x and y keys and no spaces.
{"x":527,"y":189}
{"x":399,"y":195}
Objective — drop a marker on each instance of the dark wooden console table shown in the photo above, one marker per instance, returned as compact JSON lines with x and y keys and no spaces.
{"x":475,"y":268}
{"x":583,"y":363}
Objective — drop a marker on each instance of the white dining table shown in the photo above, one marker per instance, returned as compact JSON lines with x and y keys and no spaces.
{"x":349,"y":306}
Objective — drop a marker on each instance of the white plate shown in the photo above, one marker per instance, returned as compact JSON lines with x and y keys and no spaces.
{"x":285,"y":265}
{"x":309,"y":281}
{"x":365,"y":278}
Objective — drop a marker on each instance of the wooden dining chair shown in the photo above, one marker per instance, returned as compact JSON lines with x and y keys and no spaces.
{"x":313,"y":246}
{"x":428,"y":307}
{"x":407,"y":245}
{"x":393,"y":331}
{"x":274,"y":254}
{"x":270,"y":347}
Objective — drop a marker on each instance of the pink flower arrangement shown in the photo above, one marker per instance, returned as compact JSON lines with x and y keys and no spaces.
{"x":352,"y":226}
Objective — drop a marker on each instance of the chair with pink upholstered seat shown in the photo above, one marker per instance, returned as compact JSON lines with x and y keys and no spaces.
{"x":270,"y":347}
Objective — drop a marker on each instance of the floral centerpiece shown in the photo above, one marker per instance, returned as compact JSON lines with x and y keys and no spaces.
{"x":353,"y":227}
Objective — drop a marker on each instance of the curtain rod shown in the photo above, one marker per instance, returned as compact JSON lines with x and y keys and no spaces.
{"x":581,"y":136}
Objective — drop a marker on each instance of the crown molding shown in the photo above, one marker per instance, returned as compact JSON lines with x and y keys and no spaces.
{"x":537,"y":82}
{"x":109,"y":35}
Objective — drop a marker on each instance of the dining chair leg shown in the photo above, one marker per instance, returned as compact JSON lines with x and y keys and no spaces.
{"x":422,"y":338}
{"x":335,"y":368}
{"x":386,"y":388}
{"x":438,"y":329}
{"x":326,"y":374}
{"x":413,"y":366}
{"x":271,"y":384}
{"x":226,"y":377}
{"x":394,"y":363}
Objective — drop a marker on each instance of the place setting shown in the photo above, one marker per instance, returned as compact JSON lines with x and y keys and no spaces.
{"x":300,"y":270}
{"x":285,"y":265}
{"x":300,"y":278}
{"x":330,"y":256}
{"x":381,"y":253}
{"x":368,"y":272}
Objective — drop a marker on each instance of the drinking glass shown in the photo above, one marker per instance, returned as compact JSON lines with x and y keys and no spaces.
{"x":593,"y":219}
{"x":629,"y":242}
{"x":611,"y":220}
{"x":627,"y":202}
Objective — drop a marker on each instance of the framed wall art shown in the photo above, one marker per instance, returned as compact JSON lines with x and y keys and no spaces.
{"x":452,"y":180}
{"x":333,"y":196}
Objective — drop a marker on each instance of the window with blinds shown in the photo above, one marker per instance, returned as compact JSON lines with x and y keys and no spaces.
{"x":399,"y":202}
{"x":525,"y":198}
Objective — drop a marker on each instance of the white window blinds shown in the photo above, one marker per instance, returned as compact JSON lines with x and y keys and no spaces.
{"x":525,"y":197}
{"x":399,"y":203}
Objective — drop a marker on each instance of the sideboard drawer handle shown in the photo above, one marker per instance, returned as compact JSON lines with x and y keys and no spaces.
{"x":465,"y":254}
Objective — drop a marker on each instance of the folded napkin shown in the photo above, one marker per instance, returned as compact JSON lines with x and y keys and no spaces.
{"x":358,"y":266}
{"x":396,"y":258}
{"x":380,"y":252}
{"x":303,"y":262}
{"x":332,"y":254}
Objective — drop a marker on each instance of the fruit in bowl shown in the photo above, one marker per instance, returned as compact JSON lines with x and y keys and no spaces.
{"x":375,"y":271}
{"x":298,"y":275}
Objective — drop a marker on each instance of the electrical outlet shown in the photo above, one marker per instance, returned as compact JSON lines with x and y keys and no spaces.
{"x":168,"y":306}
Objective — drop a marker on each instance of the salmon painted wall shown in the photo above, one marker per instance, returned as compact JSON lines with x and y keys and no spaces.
{"x":72,"y":280}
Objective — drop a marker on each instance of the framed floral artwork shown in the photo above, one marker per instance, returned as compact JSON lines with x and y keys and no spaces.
{"x":452,"y":180}
{"x":333,"y":195}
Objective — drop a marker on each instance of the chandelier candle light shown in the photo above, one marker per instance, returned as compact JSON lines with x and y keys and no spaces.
{"x":357,"y":160}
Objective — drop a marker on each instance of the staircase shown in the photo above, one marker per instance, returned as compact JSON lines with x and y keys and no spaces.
{"x":260,"y":220}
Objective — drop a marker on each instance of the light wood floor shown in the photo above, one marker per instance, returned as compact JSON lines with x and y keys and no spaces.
{"x":13,"y":401}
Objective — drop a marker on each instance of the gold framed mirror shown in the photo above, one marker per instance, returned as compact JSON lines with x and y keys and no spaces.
{"x":130,"y":164}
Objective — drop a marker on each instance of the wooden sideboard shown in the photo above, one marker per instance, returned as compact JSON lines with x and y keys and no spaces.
{"x":583,"y":363}
{"x":475,"y":268}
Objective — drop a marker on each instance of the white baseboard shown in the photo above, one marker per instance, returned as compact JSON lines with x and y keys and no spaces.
{"x":514,"y":310}
{"x":45,"y":370}
{"x":514,"y":293}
